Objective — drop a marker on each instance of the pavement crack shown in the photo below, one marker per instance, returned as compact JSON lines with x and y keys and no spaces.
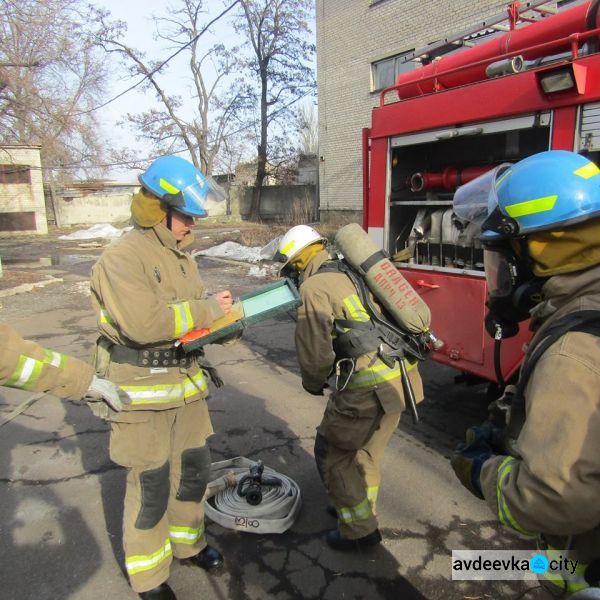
{"x":106,"y":468}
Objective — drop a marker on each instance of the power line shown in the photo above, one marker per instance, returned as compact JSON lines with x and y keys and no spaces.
{"x":76,"y":166}
{"x":159,"y":67}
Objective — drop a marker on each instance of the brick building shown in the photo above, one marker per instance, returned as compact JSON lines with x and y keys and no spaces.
{"x":360,"y":46}
{"x":22,"y":207}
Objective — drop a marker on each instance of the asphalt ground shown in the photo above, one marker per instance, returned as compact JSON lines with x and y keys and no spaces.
{"x":61,"y":496}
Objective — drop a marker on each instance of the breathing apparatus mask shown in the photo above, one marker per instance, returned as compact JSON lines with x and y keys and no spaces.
{"x":513,"y":289}
{"x":289,"y":270}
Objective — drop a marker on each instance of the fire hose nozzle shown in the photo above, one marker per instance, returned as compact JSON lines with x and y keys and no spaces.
{"x":250,"y":486}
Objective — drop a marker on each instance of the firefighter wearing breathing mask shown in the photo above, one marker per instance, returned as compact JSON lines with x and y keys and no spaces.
{"x":540,"y":221}
{"x":364,"y":409}
{"x":147,"y":293}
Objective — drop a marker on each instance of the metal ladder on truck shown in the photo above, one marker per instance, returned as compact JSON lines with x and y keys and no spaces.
{"x":517,"y":12}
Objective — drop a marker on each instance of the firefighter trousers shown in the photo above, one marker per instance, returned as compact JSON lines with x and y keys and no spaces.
{"x":168,"y":465}
{"x":349,"y":447}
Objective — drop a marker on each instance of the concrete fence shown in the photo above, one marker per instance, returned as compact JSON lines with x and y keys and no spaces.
{"x":87,"y":206}
{"x":279,"y":203}
{"x":111,"y":204}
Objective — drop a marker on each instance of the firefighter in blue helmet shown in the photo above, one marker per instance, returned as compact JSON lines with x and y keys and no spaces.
{"x":540,"y":221}
{"x":147,"y":293}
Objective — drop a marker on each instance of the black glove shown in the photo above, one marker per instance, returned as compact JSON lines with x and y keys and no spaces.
{"x":214,"y":375}
{"x":469,"y":457}
{"x":207,"y":367}
{"x":315,"y":392}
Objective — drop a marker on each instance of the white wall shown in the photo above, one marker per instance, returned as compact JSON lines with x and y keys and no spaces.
{"x":102,"y":206}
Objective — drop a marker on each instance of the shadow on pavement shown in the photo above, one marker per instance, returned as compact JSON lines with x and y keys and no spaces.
{"x":48,"y":551}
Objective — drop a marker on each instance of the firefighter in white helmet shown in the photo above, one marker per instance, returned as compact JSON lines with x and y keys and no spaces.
{"x":364,"y":408}
{"x":25,"y":365}
{"x":147,"y":293}
{"x":540,"y":220}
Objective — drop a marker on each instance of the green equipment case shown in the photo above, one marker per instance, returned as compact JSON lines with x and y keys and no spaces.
{"x":259,"y":305}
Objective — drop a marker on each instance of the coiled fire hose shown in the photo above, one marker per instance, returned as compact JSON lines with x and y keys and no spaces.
{"x":275,"y":512}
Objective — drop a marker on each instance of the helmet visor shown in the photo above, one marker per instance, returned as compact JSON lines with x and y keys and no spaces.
{"x":499,"y":273}
{"x":202,"y":198}
{"x":475,"y":200}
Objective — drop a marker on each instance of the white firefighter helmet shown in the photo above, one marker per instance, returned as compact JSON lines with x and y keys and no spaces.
{"x":295,"y":240}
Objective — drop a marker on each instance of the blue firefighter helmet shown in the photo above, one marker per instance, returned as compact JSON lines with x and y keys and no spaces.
{"x":181,"y":186}
{"x":545,"y":191}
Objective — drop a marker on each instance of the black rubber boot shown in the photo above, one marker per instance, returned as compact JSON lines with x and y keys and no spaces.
{"x":160,"y":592}
{"x":210,"y":558}
{"x":335,"y":540}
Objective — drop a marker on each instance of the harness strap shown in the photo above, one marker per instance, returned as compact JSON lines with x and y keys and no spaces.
{"x":585,"y":321}
{"x":373,"y":259}
{"x":379,"y":330}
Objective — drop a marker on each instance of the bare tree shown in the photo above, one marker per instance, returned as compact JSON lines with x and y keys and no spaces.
{"x":218,"y":97}
{"x":280,"y":38}
{"x":51,"y":76}
{"x":308,"y":129}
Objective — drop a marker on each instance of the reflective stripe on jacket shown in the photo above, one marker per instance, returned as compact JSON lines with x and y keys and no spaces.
{"x":152,"y":396}
{"x":28,"y":366}
{"x":565,"y":580}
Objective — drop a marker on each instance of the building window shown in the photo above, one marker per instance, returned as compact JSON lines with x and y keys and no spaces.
{"x":384,"y":72}
{"x":15,"y":174}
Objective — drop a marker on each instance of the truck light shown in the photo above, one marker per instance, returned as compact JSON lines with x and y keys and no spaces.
{"x":561,"y":78}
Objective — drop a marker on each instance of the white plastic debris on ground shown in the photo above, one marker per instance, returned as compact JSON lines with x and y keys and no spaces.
{"x":256,"y":271}
{"x":232,"y":250}
{"x":103,"y":230}
{"x":235,"y":251}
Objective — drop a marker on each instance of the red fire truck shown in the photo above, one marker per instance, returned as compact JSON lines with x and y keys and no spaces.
{"x":535,"y":87}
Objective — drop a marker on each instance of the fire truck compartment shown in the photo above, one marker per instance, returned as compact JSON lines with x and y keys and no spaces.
{"x":425,"y":170}
{"x":440,"y":256}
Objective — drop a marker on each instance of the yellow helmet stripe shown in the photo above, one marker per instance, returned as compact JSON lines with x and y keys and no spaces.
{"x":287,"y":247}
{"x":587,"y":171}
{"x":531,"y":207}
{"x":170,"y":189}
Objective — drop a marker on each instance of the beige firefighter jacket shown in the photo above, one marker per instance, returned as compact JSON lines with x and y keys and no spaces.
{"x":147,"y":293}
{"x":554,"y":488}
{"x":28,"y":366}
{"x":331,"y":295}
